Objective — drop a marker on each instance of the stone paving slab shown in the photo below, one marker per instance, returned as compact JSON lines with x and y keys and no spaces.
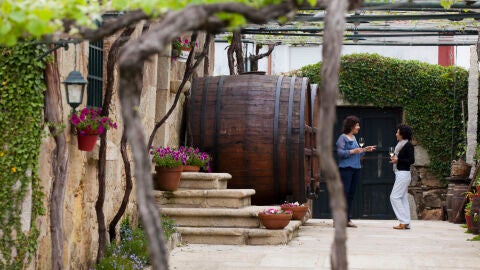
{"x":373,"y":245}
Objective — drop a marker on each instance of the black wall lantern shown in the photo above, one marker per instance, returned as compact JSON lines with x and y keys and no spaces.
{"x":75,"y":87}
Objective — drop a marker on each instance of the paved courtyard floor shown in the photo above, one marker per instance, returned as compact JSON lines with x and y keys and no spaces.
{"x":373,"y":245}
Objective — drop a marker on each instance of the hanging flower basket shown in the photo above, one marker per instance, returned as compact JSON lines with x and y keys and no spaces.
{"x":86,"y":140}
{"x":183,"y":55}
{"x":89,"y":123}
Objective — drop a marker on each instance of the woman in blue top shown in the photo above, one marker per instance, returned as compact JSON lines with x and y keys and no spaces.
{"x":349,"y":154}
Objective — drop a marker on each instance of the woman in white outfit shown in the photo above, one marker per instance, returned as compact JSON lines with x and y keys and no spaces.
{"x":403,"y":158}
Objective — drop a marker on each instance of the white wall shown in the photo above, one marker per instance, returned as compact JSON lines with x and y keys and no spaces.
{"x":286,"y":58}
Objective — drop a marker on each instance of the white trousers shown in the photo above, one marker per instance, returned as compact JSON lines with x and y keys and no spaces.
{"x":399,"y":196}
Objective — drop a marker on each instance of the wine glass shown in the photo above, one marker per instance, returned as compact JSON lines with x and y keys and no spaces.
{"x":361,"y":141}
{"x":391,"y":151}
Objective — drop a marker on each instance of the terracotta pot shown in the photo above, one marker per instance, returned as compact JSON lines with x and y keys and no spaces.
{"x":87,"y":141}
{"x":469,"y":222}
{"x":190,"y":168}
{"x":274,"y":221}
{"x":167,"y":179}
{"x":298,"y":212}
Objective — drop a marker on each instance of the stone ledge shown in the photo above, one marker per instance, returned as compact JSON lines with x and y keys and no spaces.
{"x":227,"y":198}
{"x":202,"y":181}
{"x":240,"y":236}
{"x":205,"y":176}
{"x":213,"y":217}
{"x":250,"y":211}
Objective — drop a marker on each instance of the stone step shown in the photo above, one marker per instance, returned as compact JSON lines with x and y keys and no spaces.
{"x":239,"y":236}
{"x":198,"y":180}
{"x":222,"y":198}
{"x":215,"y":217}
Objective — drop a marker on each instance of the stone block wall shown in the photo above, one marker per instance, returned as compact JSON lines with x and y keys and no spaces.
{"x":79,"y":216}
{"x":428,"y":192}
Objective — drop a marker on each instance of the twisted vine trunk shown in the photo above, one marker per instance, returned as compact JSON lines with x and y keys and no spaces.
{"x":332,"y":45}
{"x":128,"y":188}
{"x":53,"y":107}
{"x":255,"y":58}
{"x":132,"y":58}
{"x":236,"y":64}
{"x":189,"y":69}
{"x":102,"y":156}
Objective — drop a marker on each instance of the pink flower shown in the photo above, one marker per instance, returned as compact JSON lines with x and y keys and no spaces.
{"x":90,"y":120}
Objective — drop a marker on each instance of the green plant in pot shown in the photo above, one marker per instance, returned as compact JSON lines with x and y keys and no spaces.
{"x":196,"y":159}
{"x":168,"y":166}
{"x":298,"y":210}
{"x":468,"y":217}
{"x":89,"y":123}
{"x":275,"y":219}
{"x":181,"y":48}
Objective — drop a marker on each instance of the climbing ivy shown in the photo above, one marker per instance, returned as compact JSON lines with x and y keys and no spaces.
{"x":21,"y":105}
{"x":427,"y":93}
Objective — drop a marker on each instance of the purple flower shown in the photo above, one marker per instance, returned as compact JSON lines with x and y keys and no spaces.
{"x":90,"y":120}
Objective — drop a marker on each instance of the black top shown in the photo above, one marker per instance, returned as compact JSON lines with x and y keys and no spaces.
{"x":406,"y":157}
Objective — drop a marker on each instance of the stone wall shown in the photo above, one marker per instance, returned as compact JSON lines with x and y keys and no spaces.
{"x":80,"y":221}
{"x":427,"y":189}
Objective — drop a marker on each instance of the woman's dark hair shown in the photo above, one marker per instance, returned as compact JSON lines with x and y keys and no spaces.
{"x":349,"y":123}
{"x":405,"y":131}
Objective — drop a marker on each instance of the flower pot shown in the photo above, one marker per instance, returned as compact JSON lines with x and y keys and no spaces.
{"x":298,"y":212}
{"x":87,"y":140}
{"x":274,"y":221}
{"x":469,"y":222}
{"x":183,"y":55}
{"x":167,"y":179}
{"x":191,"y":168}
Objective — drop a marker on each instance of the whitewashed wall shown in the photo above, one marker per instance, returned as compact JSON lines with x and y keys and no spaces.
{"x":286,"y":58}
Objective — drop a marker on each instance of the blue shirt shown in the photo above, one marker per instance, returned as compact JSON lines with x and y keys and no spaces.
{"x":345,"y":159}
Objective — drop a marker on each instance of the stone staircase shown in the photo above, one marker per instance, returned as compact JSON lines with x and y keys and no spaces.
{"x":206,"y":212}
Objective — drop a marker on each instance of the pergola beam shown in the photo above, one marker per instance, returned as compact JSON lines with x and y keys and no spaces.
{"x":408,"y":5}
{"x":369,"y":18}
{"x":252,"y":30}
{"x":366,"y":43}
{"x":356,"y":34}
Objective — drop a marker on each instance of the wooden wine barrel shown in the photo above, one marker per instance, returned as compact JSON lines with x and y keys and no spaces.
{"x":255,"y":128}
{"x":454,"y":201}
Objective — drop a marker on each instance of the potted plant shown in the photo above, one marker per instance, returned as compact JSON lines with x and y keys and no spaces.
{"x":181,"y":48}
{"x":168,"y":166}
{"x":88,"y":124}
{"x":471,"y":195}
{"x":274,"y":219}
{"x":468,"y":217}
{"x":298,"y":210}
{"x":477,"y":183}
{"x":196,"y":160}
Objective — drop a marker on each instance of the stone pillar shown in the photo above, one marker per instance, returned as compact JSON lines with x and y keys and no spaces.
{"x":472,"y":105}
{"x":163,"y":95}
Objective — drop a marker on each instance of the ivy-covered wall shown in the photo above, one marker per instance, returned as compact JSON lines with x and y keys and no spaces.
{"x":431,"y":96}
{"x":21,"y":106}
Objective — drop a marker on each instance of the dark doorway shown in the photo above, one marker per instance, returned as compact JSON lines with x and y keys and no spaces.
{"x":372,"y":199}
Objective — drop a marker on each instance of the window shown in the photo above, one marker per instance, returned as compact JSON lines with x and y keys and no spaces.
{"x":95,"y":74}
